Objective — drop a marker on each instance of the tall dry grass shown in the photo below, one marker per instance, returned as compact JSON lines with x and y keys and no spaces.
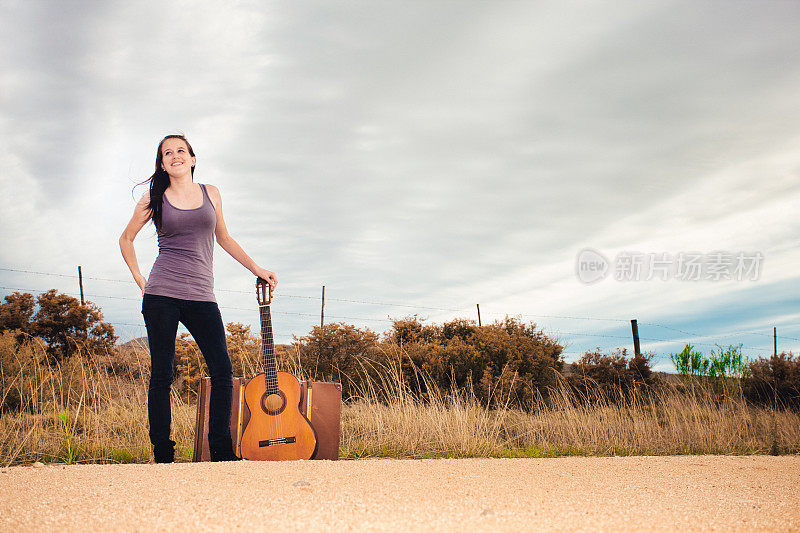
{"x":387,"y":420}
{"x":89,"y":408}
{"x":93,"y":408}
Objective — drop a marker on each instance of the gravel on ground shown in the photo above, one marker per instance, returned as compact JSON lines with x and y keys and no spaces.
{"x":570,"y":493}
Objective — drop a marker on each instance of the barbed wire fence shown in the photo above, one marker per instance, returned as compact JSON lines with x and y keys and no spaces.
{"x":625,"y":341}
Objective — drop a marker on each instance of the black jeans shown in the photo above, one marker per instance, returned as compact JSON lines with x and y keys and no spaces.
{"x":204,"y":322}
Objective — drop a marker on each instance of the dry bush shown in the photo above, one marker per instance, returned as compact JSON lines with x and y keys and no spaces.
{"x":91,"y":407}
{"x":667,"y":419}
{"x":610,"y":377}
{"x":417,"y":399}
{"x":506,"y":355}
{"x":774,"y":381}
{"x":61,"y":320}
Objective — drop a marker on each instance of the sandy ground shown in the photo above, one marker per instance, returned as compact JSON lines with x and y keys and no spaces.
{"x":584,"y":493}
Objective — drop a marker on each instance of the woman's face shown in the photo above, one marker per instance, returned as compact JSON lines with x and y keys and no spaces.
{"x":176,"y":159}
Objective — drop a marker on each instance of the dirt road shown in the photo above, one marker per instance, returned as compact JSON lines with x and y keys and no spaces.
{"x":613,"y":493}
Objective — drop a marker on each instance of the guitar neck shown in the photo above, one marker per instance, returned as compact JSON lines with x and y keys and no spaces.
{"x":268,"y":350}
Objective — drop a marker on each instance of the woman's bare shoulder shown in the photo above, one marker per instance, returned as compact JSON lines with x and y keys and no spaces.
{"x":213,"y":191}
{"x":145,"y":199}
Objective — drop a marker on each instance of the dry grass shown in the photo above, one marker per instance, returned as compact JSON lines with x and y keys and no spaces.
{"x":667,"y":421}
{"x":93,"y":408}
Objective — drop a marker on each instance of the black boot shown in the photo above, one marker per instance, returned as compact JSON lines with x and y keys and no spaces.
{"x":164,"y":452}
{"x":222,"y":451}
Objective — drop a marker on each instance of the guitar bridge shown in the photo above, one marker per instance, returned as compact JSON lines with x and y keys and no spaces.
{"x":273,"y":442}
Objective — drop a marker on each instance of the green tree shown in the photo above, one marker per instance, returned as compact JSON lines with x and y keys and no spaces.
{"x":689,"y":362}
{"x":727,"y":362}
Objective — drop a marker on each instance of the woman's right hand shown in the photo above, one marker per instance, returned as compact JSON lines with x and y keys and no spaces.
{"x":140,"y":281}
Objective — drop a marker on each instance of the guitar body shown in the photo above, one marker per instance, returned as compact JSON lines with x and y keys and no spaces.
{"x":277,"y":430}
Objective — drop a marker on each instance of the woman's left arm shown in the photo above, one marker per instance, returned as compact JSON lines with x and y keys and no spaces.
{"x":231,"y":246}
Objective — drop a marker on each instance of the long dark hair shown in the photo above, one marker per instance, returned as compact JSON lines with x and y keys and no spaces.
{"x":159,"y":181}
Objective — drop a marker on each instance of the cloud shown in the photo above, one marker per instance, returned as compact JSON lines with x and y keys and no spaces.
{"x":439,"y":154}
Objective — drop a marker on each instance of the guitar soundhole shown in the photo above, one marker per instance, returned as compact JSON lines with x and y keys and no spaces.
{"x":273,"y":404}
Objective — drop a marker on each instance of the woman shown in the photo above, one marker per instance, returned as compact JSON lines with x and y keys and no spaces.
{"x":187,"y":217}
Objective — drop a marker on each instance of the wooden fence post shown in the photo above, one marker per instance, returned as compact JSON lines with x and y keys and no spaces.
{"x":80,"y":282}
{"x":635,"y":329}
{"x":322,"y":311}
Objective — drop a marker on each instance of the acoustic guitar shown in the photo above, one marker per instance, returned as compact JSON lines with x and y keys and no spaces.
{"x":277,"y":430}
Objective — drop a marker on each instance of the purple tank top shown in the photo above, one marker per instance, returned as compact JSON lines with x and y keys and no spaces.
{"x":184,"y":266}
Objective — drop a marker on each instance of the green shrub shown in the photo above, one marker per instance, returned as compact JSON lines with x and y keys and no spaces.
{"x":727,"y":363}
{"x":723,"y":370}
{"x":724,"y":362}
{"x":689,"y":362}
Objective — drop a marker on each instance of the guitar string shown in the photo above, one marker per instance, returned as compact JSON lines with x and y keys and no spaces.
{"x":271,"y":377}
{"x":267,"y":381}
{"x":279,"y":416}
{"x":267,"y":377}
{"x":274,"y":372}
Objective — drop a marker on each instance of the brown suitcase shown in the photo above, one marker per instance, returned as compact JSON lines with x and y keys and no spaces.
{"x":201,"y":452}
{"x":325,"y":409}
{"x":322,"y":405}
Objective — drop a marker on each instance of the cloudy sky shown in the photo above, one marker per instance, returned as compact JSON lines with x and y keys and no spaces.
{"x":423,"y":157}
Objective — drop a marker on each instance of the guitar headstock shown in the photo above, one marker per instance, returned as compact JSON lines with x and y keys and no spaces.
{"x":263,"y":295}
